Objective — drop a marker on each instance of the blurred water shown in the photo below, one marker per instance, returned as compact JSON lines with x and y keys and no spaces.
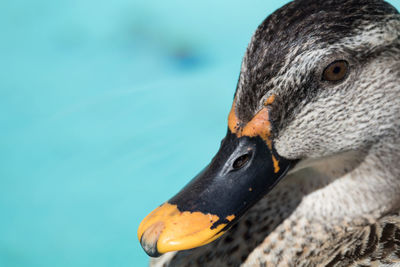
{"x":107,"y":108}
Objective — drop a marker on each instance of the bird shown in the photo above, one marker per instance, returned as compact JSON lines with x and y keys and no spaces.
{"x":308,"y":173}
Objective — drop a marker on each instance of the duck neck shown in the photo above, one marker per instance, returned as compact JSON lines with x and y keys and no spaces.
{"x":356,"y":185}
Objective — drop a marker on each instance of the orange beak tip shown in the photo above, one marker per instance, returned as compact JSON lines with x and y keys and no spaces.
{"x":168,"y":229}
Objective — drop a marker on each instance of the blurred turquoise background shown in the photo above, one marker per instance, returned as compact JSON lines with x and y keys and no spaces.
{"x":108,"y":108}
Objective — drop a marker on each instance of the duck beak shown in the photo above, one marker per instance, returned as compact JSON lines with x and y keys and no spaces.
{"x":242,"y":172}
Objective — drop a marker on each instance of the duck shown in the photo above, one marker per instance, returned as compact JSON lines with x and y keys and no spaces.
{"x":308,"y":173}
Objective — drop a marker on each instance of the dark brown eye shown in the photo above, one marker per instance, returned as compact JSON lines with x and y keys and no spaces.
{"x":335,"y":71}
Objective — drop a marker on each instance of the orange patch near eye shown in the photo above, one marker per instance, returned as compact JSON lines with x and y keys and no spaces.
{"x":269,"y":100}
{"x":259,"y":125}
{"x":276,"y":164}
{"x":233,"y":121}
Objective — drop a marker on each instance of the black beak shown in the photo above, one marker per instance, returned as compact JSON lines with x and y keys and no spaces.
{"x":243,"y":171}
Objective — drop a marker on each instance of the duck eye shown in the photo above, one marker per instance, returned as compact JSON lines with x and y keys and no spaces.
{"x":335,"y":71}
{"x":241,"y":161}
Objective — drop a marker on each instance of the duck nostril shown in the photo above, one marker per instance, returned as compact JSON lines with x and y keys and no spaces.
{"x":241,"y":161}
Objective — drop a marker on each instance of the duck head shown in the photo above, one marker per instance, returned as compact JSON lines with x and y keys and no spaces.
{"x":319,"y":77}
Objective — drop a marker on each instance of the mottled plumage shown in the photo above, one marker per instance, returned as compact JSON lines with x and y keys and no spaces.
{"x":340,"y":205}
